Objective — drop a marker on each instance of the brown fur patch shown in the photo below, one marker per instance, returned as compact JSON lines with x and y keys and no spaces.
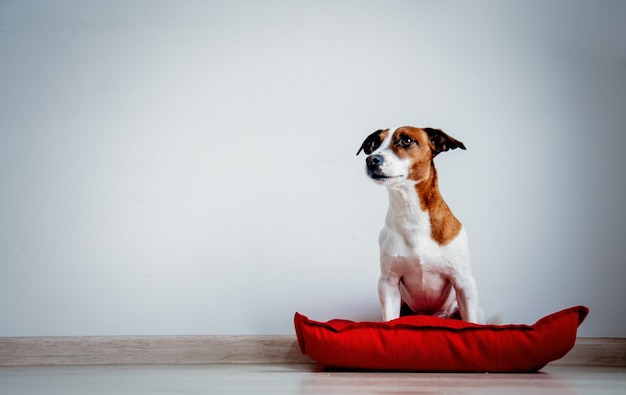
{"x":420,"y":153}
{"x":444,"y":225}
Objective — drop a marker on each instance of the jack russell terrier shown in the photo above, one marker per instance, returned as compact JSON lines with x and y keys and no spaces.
{"x":424,"y":255}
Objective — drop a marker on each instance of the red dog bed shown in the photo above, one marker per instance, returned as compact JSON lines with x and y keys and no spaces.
{"x":431,"y":344}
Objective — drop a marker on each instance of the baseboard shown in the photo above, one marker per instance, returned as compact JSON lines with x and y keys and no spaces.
{"x":115,"y":350}
{"x":594,"y":351}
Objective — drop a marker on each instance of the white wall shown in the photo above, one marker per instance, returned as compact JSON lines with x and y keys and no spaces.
{"x":181,"y":167}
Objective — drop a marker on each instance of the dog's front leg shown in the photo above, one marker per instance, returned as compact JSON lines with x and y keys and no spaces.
{"x":389,"y":295}
{"x":467,"y":299}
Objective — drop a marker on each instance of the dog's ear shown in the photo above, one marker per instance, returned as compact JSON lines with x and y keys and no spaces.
{"x":439,"y":141}
{"x":371,"y":143}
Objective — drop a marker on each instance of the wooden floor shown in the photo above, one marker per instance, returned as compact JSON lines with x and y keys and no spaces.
{"x":277,"y":379}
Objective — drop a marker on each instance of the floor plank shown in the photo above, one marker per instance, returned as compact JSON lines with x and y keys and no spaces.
{"x":298,"y":379}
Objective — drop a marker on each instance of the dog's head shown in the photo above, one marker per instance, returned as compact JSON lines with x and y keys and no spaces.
{"x":404,"y":154}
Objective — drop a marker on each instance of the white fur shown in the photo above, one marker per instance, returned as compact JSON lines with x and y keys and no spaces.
{"x":428,"y":277}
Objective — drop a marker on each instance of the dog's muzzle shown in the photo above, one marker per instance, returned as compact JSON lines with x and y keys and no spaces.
{"x":374,"y":164}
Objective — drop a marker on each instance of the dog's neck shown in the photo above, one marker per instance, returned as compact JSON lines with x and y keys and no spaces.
{"x":419,"y":206}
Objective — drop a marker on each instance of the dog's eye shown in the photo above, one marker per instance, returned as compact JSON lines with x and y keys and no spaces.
{"x":406,"y":142}
{"x":373,"y":146}
{"x":371,"y":143}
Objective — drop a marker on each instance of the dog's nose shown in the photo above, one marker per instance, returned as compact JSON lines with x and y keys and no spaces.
{"x":374,"y":161}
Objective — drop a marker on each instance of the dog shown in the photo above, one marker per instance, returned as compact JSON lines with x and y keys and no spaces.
{"x":424,"y":255}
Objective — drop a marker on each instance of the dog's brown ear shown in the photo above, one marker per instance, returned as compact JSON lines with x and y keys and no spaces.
{"x":439,"y":141}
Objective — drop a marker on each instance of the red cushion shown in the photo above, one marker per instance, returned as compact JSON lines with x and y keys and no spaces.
{"x":431,"y":344}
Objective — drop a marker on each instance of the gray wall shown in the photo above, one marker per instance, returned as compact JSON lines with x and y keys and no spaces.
{"x":180,"y":167}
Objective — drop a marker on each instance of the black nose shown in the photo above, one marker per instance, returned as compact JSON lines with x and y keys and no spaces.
{"x":374,"y":161}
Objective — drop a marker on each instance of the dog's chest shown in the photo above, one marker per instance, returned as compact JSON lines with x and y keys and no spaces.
{"x":410,"y":250}
{"x":406,"y":243}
